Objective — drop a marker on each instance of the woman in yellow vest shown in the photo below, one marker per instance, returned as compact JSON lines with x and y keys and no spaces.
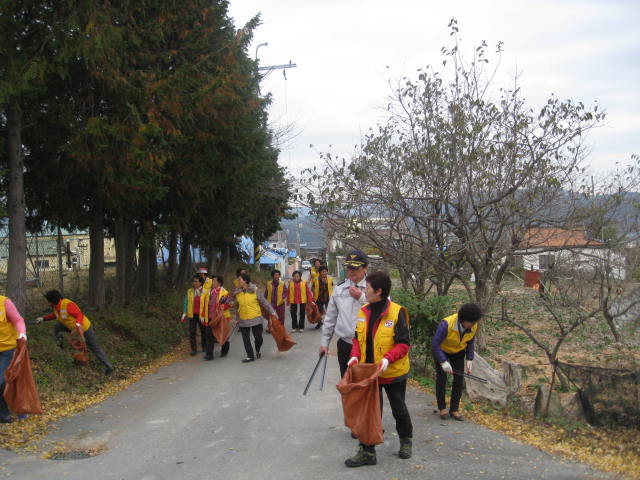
{"x":249,"y":302}
{"x":382,"y":337}
{"x":322,"y":287}
{"x":299,"y":295}
{"x":69,"y":316}
{"x":452,"y":342}
{"x":276,"y":293}
{"x":314,"y":271}
{"x":12,"y":328}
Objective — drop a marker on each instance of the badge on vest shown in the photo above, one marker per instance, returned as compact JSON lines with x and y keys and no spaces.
{"x":388,"y":324}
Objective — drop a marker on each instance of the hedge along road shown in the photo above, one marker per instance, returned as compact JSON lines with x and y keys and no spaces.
{"x":228,"y":420}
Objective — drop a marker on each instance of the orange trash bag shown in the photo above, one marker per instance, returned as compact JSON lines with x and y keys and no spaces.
{"x":220,"y":326}
{"x":313,"y":313}
{"x":361,"y":402}
{"x":20,"y":390}
{"x":79,"y":347}
{"x":279,"y":334}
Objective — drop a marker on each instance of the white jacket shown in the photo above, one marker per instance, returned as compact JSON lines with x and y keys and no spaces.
{"x":342,"y":313}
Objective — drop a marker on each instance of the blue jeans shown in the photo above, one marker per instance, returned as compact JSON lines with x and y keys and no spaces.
{"x":5,"y":360}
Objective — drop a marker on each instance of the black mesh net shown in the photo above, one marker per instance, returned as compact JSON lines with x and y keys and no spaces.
{"x":609,"y":396}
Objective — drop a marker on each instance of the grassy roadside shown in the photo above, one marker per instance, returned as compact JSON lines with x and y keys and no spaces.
{"x":138,"y":339}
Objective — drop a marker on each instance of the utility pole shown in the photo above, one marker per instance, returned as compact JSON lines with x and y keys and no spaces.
{"x":270,"y":68}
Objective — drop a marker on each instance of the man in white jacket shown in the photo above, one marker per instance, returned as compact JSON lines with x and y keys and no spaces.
{"x":342,"y":312}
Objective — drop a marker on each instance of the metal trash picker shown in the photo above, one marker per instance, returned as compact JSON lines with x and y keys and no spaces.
{"x":324,"y":369}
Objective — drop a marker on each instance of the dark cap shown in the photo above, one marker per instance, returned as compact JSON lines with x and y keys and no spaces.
{"x":356,"y":259}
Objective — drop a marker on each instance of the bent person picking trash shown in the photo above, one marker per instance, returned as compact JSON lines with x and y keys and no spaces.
{"x":382,"y":338}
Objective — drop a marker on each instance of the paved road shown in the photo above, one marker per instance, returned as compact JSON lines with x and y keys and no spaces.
{"x":228,"y":420}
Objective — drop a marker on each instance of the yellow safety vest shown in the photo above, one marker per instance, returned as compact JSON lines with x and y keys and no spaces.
{"x":316,"y":286}
{"x":248,"y":305}
{"x":384,"y":338}
{"x":204,"y":302}
{"x":8,"y":332}
{"x":279,"y":291}
{"x":452,"y":342}
{"x":67,"y":320}
{"x":303,"y":291}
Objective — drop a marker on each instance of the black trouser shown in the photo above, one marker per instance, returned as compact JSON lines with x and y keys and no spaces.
{"x":344,"y":354}
{"x":295,"y":323}
{"x":211,"y":340}
{"x":246,"y":338}
{"x":89,"y":338}
{"x":396,"y":393}
{"x":194,"y":323}
{"x":456,"y":360}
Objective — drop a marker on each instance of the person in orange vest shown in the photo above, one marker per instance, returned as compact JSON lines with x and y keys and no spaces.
{"x":11,"y":329}
{"x":215,"y":298}
{"x":382,"y":337}
{"x":453,"y":341}
{"x":299,"y":295}
{"x":193,"y":309}
{"x":322,"y":287}
{"x":276,"y":294}
{"x":70,"y":316}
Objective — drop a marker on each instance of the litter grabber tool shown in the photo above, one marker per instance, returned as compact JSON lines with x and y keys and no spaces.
{"x":470,"y":377}
{"x":315,"y":369}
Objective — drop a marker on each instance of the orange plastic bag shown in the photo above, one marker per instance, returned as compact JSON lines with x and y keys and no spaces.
{"x":361,"y":402}
{"x":79,"y":347}
{"x":20,"y":391}
{"x":313,"y":312}
{"x":279,"y":334}
{"x":221,"y":326}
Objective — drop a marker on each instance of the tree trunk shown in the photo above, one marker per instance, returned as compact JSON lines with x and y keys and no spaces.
{"x":96,"y":258}
{"x":185,"y":256}
{"x":173,"y":255}
{"x":16,"y":272}
{"x":146,"y":256}
{"x":121,"y":242}
{"x":131,"y":264}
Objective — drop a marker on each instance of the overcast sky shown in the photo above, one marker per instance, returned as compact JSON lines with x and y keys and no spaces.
{"x":584,"y":50}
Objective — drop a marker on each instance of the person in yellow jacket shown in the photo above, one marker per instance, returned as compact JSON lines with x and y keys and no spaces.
{"x":382,"y":337}
{"x":250,"y":303}
{"x":12,"y":328}
{"x":299,"y":295}
{"x":193,"y":309}
{"x":69,"y":316}
{"x":322,"y":287}
{"x":453,"y":341}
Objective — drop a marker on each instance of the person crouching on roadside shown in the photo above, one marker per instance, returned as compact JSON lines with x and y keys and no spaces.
{"x":69,"y":316}
{"x":382,"y":337}
{"x":453,"y":341}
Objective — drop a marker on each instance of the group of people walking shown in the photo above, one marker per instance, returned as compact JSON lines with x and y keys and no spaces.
{"x":370,"y":328}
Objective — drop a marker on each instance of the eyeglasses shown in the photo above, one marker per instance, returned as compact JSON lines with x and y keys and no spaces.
{"x":351,"y":267}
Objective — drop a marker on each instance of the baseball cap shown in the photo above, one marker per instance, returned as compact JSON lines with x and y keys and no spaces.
{"x":202,"y":270}
{"x":356,"y":258}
